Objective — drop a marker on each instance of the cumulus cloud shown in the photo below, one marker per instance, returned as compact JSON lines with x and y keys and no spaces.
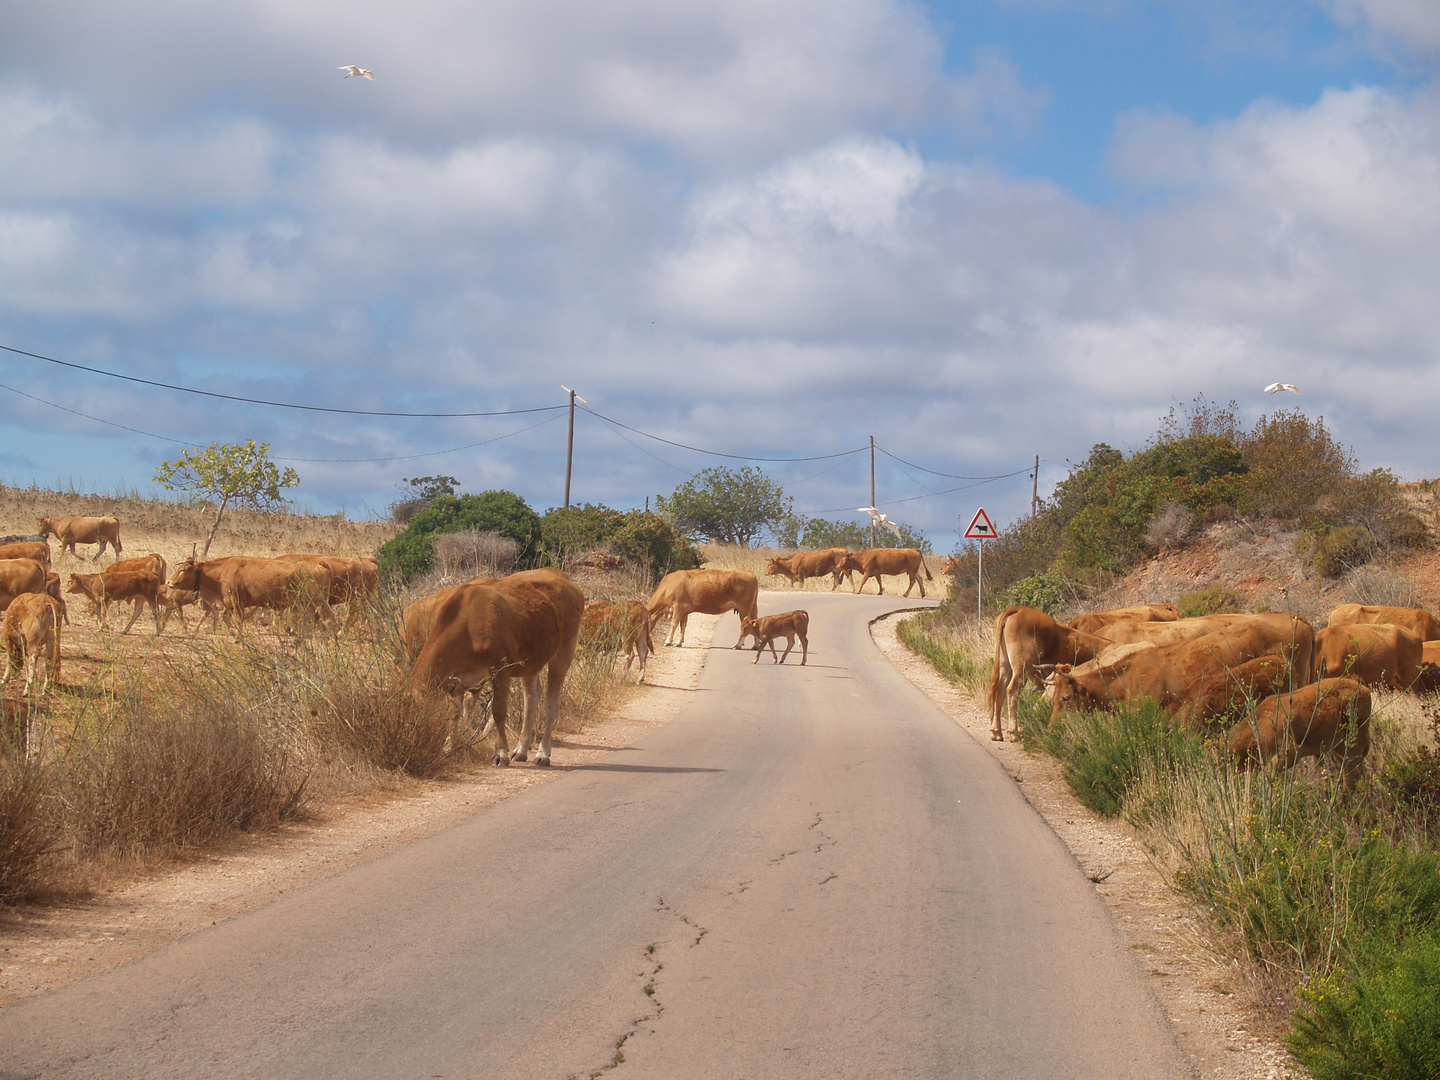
{"x":1412,"y":26}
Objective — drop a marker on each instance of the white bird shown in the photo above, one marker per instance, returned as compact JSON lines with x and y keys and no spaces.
{"x":878,"y":519}
{"x":351,"y":69}
{"x":1276,"y":387}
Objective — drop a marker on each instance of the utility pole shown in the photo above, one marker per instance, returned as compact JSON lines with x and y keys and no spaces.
{"x":1035,"y":488}
{"x":570,"y":442}
{"x":872,"y":488}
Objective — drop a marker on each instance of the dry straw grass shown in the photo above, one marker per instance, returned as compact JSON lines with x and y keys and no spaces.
{"x":159,"y":748}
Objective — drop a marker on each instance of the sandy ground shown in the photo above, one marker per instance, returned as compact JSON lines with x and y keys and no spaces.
{"x":1216,"y":1014}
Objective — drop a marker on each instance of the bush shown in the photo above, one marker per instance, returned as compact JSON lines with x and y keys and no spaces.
{"x":1213,"y":600}
{"x":412,"y":553}
{"x":1103,"y":753}
{"x":1051,"y":593}
{"x":1171,"y":527}
{"x":470,"y":553}
{"x":1331,"y":552}
{"x":1381,"y":1021}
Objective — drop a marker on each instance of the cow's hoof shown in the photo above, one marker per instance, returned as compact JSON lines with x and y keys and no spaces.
{"x":516,"y":755}
{"x":501,"y":759}
{"x":542,"y":761}
{"x":996,"y":736}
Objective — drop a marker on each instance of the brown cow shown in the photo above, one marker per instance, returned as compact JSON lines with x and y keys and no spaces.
{"x":108,"y":588}
{"x":1378,"y":654}
{"x":1215,"y":696}
{"x":1328,"y":718}
{"x":176,"y":600}
{"x":1025,"y":639}
{"x":19,"y":576}
{"x":807,"y":564}
{"x":1416,"y":619}
{"x":1166,"y":673}
{"x":624,"y":624}
{"x":354,"y":580}
{"x":1169,"y":633}
{"x":788,"y":624}
{"x":876,"y":562}
{"x":243,"y":583}
{"x":52,"y":588}
{"x":32,"y":638}
{"x":709,"y":592}
{"x":1094,"y":622}
{"x":506,"y":628}
{"x":38,"y":550}
{"x":82,"y":530}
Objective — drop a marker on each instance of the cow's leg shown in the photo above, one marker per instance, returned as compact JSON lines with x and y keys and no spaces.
{"x":789,"y":644}
{"x":530,"y":685}
{"x":499,"y":710}
{"x":135,"y":614}
{"x":555,"y":674}
{"x":804,"y":648}
{"x":919,"y":582}
{"x":743,"y":635}
{"x":680,"y":621}
{"x":911,"y":584}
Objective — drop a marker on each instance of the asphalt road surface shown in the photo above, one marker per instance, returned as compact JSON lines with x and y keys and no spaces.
{"x":811,"y":872}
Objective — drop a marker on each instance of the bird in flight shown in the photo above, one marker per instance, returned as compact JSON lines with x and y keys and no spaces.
{"x":351,"y":69}
{"x":879,"y":520}
{"x":1276,"y":387}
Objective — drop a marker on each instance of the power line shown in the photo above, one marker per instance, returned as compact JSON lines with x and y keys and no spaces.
{"x":948,"y":476}
{"x":272,"y":404}
{"x":717,"y":453}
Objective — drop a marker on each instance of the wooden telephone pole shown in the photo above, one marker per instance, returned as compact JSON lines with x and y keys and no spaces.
{"x":570,"y":441}
{"x":872,"y":488}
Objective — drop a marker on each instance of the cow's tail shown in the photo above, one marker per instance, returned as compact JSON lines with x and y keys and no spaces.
{"x":924,"y":566}
{"x":996,"y":690}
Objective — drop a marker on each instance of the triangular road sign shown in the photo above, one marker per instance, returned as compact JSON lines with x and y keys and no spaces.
{"x":980,"y":527}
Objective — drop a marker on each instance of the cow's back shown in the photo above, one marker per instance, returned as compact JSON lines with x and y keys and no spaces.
{"x":709,"y":592}
{"x":1416,"y":619}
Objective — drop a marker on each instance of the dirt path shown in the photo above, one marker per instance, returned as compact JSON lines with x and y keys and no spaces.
{"x":1218,"y":1016}
{"x":44,"y":947}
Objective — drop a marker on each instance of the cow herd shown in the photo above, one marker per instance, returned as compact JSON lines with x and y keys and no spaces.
{"x":1284,"y":690}
{"x":840,"y":564}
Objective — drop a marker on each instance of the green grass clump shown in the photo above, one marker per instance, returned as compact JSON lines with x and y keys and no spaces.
{"x":961,"y":658}
{"x":1382,"y":1021}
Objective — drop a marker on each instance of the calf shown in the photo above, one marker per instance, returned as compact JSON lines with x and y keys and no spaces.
{"x":176,"y":600}
{"x":626,"y":624}
{"x":105,"y":589}
{"x":32,"y":637}
{"x":1215,"y":695}
{"x":1330,"y":718}
{"x":788,"y":624}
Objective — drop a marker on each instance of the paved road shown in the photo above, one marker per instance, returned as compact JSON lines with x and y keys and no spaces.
{"x":813,"y":869}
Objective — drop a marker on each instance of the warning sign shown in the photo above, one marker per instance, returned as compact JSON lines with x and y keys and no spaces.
{"x":980,"y":527}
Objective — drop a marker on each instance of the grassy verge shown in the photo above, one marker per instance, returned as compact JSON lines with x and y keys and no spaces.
{"x":1335,"y":894}
{"x":177,"y":747}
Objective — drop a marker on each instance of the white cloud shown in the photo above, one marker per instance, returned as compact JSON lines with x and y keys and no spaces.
{"x":1410,"y":25}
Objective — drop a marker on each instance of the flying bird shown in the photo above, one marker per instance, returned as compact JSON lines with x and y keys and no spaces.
{"x":878,"y":520}
{"x":351,"y":69}
{"x":1276,"y":387}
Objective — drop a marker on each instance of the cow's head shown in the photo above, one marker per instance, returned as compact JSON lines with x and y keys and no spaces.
{"x":45,"y":528}
{"x":848,"y":561}
{"x":1068,"y":695}
{"x":774,"y":568}
{"x":187,"y":576}
{"x":752,"y":628}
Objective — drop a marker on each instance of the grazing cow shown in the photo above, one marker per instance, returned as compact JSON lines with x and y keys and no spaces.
{"x":1167,"y":673}
{"x":1417,"y":619}
{"x":82,"y":530}
{"x":39,"y":550}
{"x":1169,"y":633}
{"x":243,"y":583}
{"x":808,"y":564}
{"x":1378,"y":654}
{"x":19,"y":576}
{"x":788,"y":624}
{"x":108,"y":588}
{"x":625,"y":625}
{"x":52,"y":588}
{"x":1025,"y":639}
{"x":876,"y":562}
{"x":501,"y":629}
{"x":32,"y":639}
{"x":709,"y":592}
{"x":1328,"y":718}
{"x":1094,"y":622}
{"x":1213,"y":696}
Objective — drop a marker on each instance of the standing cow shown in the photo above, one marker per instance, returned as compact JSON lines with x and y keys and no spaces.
{"x":82,"y":530}
{"x":709,"y":592}
{"x":877,"y":562}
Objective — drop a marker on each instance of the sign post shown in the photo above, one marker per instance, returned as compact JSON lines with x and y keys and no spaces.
{"x":981,"y":530}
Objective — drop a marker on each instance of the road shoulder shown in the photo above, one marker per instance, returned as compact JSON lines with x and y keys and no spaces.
{"x":1217,"y":1019}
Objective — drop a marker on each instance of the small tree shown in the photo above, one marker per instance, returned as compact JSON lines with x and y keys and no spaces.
{"x":227,"y":473}
{"x":731,"y":506}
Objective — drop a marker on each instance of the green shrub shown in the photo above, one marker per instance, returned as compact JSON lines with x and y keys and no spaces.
{"x":951,"y":659}
{"x":412,"y":553}
{"x":1048,"y":592}
{"x":1380,"y":1021}
{"x":1213,"y":600}
{"x":1103,"y":753}
{"x":1332,"y":550}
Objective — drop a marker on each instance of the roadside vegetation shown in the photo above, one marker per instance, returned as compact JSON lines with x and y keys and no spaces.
{"x":1333,"y":897}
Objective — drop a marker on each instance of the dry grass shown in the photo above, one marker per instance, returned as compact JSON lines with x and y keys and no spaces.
{"x":156,"y":748}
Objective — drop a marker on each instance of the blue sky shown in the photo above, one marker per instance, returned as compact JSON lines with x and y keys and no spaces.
{"x":977,"y":231}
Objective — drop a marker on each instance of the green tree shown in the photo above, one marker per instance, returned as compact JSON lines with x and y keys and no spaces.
{"x":225,"y":473}
{"x":412,"y":552}
{"x":731,"y":506}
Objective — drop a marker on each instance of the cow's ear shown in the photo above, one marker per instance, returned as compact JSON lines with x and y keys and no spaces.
{"x":1064,"y":669}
